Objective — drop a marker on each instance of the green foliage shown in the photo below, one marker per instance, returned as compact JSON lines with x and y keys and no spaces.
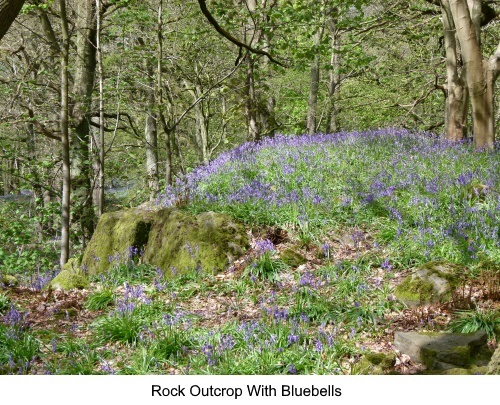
{"x":74,"y":356}
{"x":4,"y":303}
{"x":129,"y":272}
{"x":20,"y":251}
{"x":120,"y":327}
{"x":266,"y":267}
{"x":18,"y":348}
{"x":472,"y":321}
{"x":99,"y":300}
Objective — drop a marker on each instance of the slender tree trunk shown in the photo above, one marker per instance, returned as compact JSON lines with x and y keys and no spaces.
{"x":200,"y":137}
{"x":85,"y":70}
{"x":267,"y":110}
{"x":151,"y":128}
{"x":334,"y":80}
{"x":100,"y":73}
{"x":251,"y":101}
{"x":492,"y":69}
{"x":9,"y":9}
{"x":159,"y":92}
{"x":151,"y":138}
{"x":312,"y":103}
{"x":64,"y":123}
{"x":201,"y":131}
{"x":37,"y":189}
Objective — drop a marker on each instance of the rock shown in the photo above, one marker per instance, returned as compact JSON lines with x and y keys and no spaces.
{"x":169,"y":238}
{"x":375,"y":364}
{"x":8,"y":280}
{"x":115,"y":234}
{"x":67,"y":280}
{"x":456,"y":371}
{"x":70,"y":277}
{"x":476,"y":192}
{"x":494,"y":364}
{"x":431,"y":283}
{"x":438,"y":350}
{"x":208,"y":241}
{"x":292,"y":258}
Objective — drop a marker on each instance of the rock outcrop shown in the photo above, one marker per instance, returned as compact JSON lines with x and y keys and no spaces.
{"x":119,"y":236}
{"x":175,"y":241}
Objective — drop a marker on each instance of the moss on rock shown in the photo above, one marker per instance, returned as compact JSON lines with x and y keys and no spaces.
{"x":494,"y":365}
{"x":375,"y":364}
{"x":431,"y":283}
{"x":291,"y":258}
{"x":115,"y":234}
{"x":8,"y":280}
{"x":183,"y":242}
{"x":67,"y":280}
{"x":171,"y":238}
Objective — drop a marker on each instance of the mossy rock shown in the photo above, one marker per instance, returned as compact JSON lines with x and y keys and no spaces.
{"x":431,"y":283}
{"x":67,"y":280}
{"x":475,"y":192}
{"x":494,"y":365}
{"x":438,"y":350}
{"x":456,"y":371}
{"x":115,"y":234}
{"x":8,"y":280}
{"x":291,"y":258}
{"x":375,"y":364}
{"x":180,"y":242}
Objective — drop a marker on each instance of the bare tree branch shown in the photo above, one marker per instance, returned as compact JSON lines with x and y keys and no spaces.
{"x":227,"y":35}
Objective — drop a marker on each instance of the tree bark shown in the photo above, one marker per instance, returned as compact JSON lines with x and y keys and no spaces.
{"x":100,"y":71}
{"x":159,"y":97}
{"x":83,"y":86}
{"x":476,"y":74}
{"x":312,"y":102}
{"x":151,"y":139}
{"x":9,"y":9}
{"x":456,"y":103}
{"x":64,"y":123}
{"x":251,"y":101}
{"x":334,"y":80}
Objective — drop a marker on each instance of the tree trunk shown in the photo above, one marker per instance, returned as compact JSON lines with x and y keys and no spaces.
{"x":251,"y":102}
{"x":334,"y":83}
{"x":159,"y":97}
{"x":312,"y":102}
{"x":482,"y":108}
{"x":201,"y":126}
{"x":100,"y":71}
{"x":9,"y":9}
{"x":64,"y":123}
{"x":151,"y":138}
{"x":85,"y":69}
{"x":456,"y":103}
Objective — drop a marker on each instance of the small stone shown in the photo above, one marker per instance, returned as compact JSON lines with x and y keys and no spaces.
{"x":9,"y":280}
{"x":292,"y":258}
